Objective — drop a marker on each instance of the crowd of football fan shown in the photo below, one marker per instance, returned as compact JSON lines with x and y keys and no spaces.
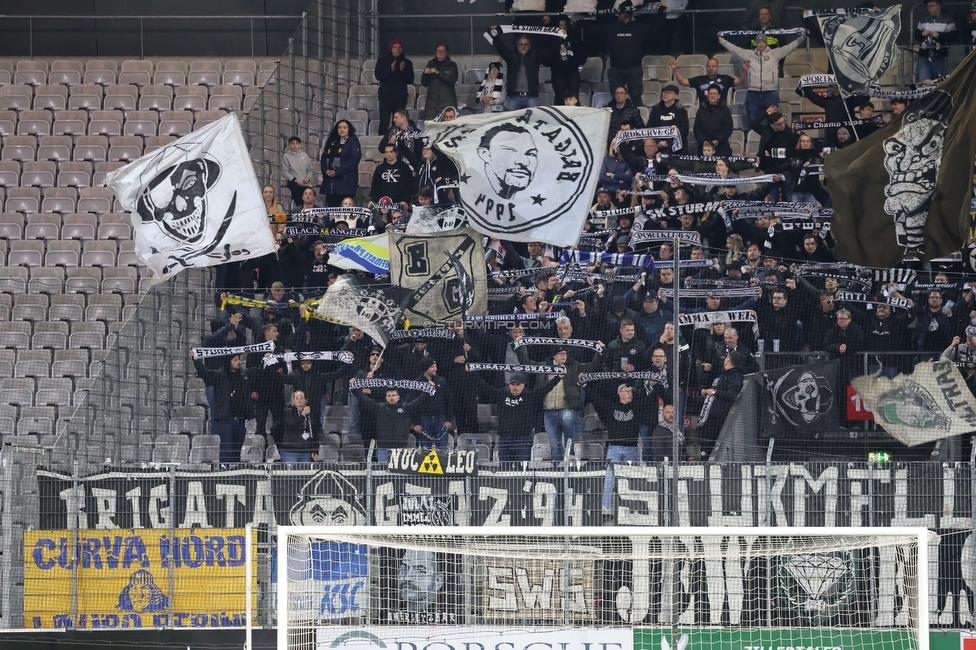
{"x":798,"y":314}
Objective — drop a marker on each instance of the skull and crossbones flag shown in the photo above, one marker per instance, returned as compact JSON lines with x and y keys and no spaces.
{"x":903,"y":191}
{"x":527,"y":175}
{"x":801,"y":400}
{"x":371,"y":306}
{"x":195,"y":202}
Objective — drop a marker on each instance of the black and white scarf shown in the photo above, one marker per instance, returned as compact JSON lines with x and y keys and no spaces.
{"x":327,"y":355}
{"x":864,"y":299}
{"x":576,"y":343}
{"x":734,"y":292}
{"x":206,"y":353}
{"x":710,"y":179}
{"x":517,"y":367}
{"x":423,"y":333}
{"x":639,"y":374}
{"x":495,"y":88}
{"x":651,"y":133}
{"x":406,"y":384}
{"x":686,"y":236}
{"x":510,"y":317}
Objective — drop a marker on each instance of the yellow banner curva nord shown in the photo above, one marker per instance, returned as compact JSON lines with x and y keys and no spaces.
{"x":136,"y":578}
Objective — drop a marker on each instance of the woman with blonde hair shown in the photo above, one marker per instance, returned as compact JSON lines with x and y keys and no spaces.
{"x":273,"y":207}
{"x":735,"y":247}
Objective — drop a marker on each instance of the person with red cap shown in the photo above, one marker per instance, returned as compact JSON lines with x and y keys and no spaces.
{"x":394,"y":72}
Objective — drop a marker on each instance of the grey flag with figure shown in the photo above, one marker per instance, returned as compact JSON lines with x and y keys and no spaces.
{"x":932,"y":403}
{"x":195,"y":202}
{"x":801,"y":399}
{"x":527,"y":175}
{"x":860,"y":45}
{"x":445,"y":271}
{"x":371,"y":306}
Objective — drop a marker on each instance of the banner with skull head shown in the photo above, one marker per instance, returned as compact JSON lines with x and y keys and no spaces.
{"x":195,"y":202}
{"x":801,"y":399}
{"x":527,"y":175}
{"x":903,"y":192}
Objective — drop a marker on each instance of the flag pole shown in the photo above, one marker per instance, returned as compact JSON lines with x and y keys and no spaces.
{"x":850,"y":119}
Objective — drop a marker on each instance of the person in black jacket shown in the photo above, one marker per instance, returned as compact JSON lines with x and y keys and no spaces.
{"x":836,"y":108}
{"x":670,"y":112}
{"x":298,"y":432}
{"x":564,"y":63}
{"x":522,"y":74}
{"x":394,"y":72}
{"x":775,"y":135}
{"x":517,"y":409}
{"x":723,"y":392}
{"x":626,"y":42}
{"x":392,"y":178}
{"x":231,"y":405}
{"x":623,"y":111}
{"x":394,"y":419}
{"x":714,"y":124}
{"x":267,"y":384}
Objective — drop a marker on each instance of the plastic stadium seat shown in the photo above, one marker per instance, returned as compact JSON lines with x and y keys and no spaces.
{"x":266,"y":72}
{"x":54,"y":147}
{"x":29,"y":307}
{"x":34,"y":123}
{"x":127,"y":255}
{"x":175,"y":122}
{"x":23,"y":199}
{"x":74,"y":174}
{"x":16,"y":97}
{"x":91,"y":147}
{"x":46,"y":280}
{"x":6,"y":72}
{"x":42,"y":226}
{"x":155,"y":142}
{"x":11,"y":225}
{"x":69,"y":363}
{"x":87,"y":335}
{"x":38,"y":174}
{"x":70,"y":122}
{"x":190,"y":98}
{"x":85,"y":96}
{"x":98,"y":253}
{"x":83,"y":280}
{"x":107,"y":122}
{"x":15,"y":335}
{"x":207,"y":117}
{"x":103,"y":72}
{"x":66,"y":72}
{"x":102,"y":170}
{"x":119,"y":279}
{"x":103,"y":307}
{"x":62,"y":253}
{"x":50,"y":335}
{"x":170,"y":73}
{"x":115,"y":229}
{"x":158,"y":98}
{"x":9,"y":173}
{"x":122,"y":97}
{"x":124,"y":148}
{"x":19,"y":147}
{"x":79,"y":226}
{"x":225,"y":96}
{"x":140,"y":123}
{"x":59,"y":199}
{"x":240,"y":72}
{"x":136,"y":72}
{"x":8,"y":123}
{"x":32,"y":72}
{"x":95,"y":199}
{"x":50,"y":97}
{"x":26,"y":253}
{"x":67,"y":307}
{"x":204,"y":72}
{"x":13,"y":279}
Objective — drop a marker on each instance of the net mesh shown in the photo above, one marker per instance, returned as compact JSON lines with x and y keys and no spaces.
{"x":811,"y":588}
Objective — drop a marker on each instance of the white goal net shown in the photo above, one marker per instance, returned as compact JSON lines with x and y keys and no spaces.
{"x":611,"y":588}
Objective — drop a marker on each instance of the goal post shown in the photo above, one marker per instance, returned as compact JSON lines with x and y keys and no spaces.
{"x":601,"y":588}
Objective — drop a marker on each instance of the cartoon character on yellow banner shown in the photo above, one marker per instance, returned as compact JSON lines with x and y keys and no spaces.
{"x":142,"y":594}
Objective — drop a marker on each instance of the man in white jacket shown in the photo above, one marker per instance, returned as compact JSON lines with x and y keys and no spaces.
{"x":762,"y":81}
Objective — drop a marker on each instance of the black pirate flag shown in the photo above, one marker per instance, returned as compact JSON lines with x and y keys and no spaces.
{"x":801,"y":399}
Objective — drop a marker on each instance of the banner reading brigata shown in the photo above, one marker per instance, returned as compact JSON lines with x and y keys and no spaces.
{"x":136,"y":578}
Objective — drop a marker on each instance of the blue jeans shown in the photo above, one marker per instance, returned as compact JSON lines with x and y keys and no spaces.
{"x":616,"y":454}
{"x":434,"y":426}
{"x":231,"y":434}
{"x":561,"y":425}
{"x":804,"y":197}
{"x":517,"y":102}
{"x":932,"y":69}
{"x":295,"y":456}
{"x":758,"y":101}
{"x":514,"y":448}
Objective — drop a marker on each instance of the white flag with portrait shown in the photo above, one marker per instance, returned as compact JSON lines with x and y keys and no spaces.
{"x":195,"y":202}
{"x":527,"y":175}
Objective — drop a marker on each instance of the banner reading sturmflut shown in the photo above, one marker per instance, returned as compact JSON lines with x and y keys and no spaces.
{"x":195,"y":202}
{"x":527,"y":175}
{"x":932,"y":403}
